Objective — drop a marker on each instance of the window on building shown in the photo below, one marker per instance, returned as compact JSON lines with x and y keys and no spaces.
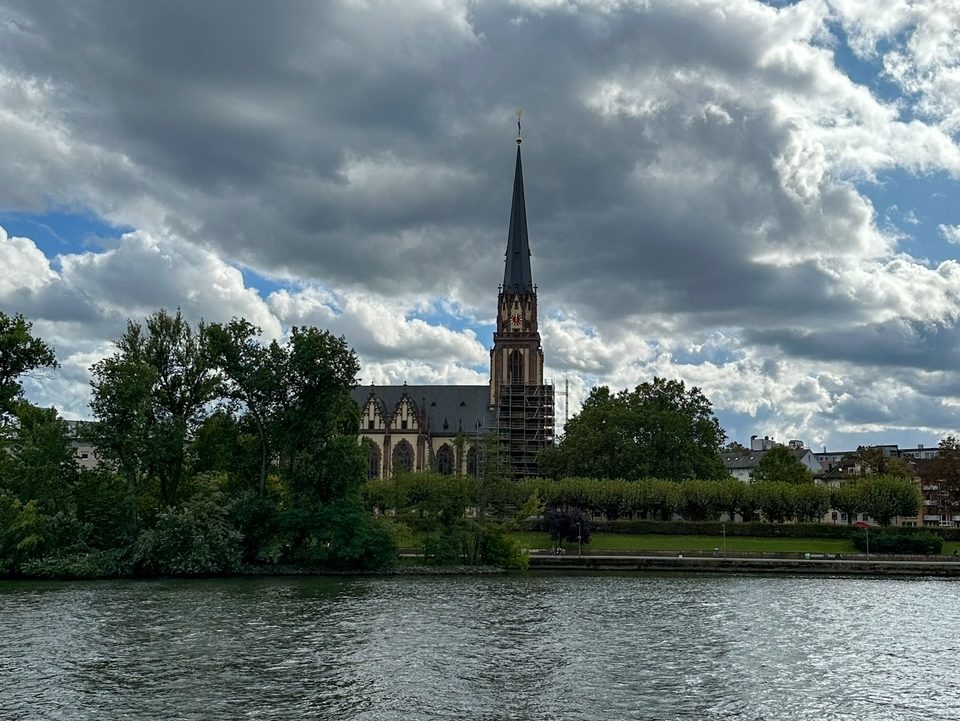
{"x":403,"y":424}
{"x":472,"y":462}
{"x":516,"y":367}
{"x":403,"y":457}
{"x":370,"y":424}
{"x":445,"y":460}
{"x":373,"y":461}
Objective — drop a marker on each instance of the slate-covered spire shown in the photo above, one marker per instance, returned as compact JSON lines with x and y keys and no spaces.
{"x":516,"y":275}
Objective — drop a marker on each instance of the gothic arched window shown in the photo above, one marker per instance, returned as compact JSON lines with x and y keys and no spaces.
{"x":373,"y":461}
{"x":403,"y":457}
{"x":472,"y":462}
{"x":445,"y":461}
{"x":516,"y":367}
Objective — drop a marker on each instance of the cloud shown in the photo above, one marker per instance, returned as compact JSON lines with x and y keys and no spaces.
{"x":697,"y":177}
{"x":950,"y":233}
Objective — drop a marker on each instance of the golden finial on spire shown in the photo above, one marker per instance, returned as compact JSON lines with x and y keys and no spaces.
{"x":519,"y":138}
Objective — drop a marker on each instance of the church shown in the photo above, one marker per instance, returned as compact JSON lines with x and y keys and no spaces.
{"x":441,"y":428}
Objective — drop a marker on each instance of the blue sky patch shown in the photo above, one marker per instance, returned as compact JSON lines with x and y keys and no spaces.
{"x":61,"y":232}
{"x":916,"y":205}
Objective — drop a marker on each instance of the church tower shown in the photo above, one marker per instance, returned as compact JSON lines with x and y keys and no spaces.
{"x":516,"y":357}
{"x":519,"y":398}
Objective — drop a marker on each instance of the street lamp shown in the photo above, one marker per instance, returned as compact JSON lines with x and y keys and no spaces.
{"x":723,"y":528}
{"x":868,"y":544}
{"x":579,"y":541}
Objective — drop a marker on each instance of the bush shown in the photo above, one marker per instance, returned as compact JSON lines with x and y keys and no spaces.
{"x":923,"y":543}
{"x":497,"y":548}
{"x":568,"y":524}
{"x":96,"y":564}
{"x":187,"y":543}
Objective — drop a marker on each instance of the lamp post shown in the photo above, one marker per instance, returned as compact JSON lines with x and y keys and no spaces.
{"x":579,"y":541}
{"x":868,"y":544}
{"x":723,"y":528}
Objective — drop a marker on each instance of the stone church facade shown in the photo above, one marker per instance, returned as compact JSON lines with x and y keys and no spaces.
{"x":416,"y":428}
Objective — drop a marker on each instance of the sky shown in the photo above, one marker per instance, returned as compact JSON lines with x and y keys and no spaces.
{"x":759,"y":199}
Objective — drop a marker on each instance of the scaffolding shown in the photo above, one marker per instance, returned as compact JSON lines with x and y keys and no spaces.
{"x":525,"y":423}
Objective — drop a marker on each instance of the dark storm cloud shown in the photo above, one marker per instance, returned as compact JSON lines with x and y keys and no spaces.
{"x":689,"y":167}
{"x":896,"y":343}
{"x":246,"y":118}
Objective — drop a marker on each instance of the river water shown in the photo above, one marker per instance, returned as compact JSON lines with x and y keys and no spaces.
{"x":525,"y":647}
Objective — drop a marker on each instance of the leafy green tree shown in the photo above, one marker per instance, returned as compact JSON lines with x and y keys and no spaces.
{"x":701,"y":500}
{"x":811,"y":502}
{"x":780,"y":464}
{"x":660,"y":430}
{"x":253,"y":376}
{"x":885,"y":497}
{"x":317,"y":417}
{"x":41,"y":465}
{"x":149,"y":398}
{"x":876,"y":461}
{"x":946,"y":469}
{"x":20,"y":353}
{"x":847,"y":499}
{"x":775,"y":500}
{"x":735,"y":497}
{"x":568,"y":524}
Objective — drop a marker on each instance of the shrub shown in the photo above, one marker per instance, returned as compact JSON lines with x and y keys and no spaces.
{"x":497,"y":548}
{"x":568,"y":524}
{"x":187,"y":543}
{"x":921,"y":543}
{"x":96,"y":564}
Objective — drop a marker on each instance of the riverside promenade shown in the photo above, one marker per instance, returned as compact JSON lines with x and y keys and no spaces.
{"x":819,"y":564}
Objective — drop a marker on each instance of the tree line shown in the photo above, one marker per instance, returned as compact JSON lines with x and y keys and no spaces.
{"x":881,"y":497}
{"x":217,"y":450}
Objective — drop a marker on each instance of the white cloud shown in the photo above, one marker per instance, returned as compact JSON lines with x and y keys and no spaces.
{"x":695,"y":174}
{"x":950,"y":233}
{"x":25,"y":266}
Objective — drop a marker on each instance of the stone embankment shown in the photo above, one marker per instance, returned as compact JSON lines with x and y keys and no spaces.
{"x":801,"y":564}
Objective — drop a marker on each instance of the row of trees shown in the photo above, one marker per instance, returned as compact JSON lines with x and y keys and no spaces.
{"x":217,"y":450}
{"x":880,"y":497}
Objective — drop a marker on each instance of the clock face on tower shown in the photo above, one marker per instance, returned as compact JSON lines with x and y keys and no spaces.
{"x":516,"y":321}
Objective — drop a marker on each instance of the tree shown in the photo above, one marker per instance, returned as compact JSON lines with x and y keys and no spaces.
{"x":41,"y":465}
{"x":776,"y":501}
{"x":149,"y":398}
{"x":568,"y":524}
{"x":877,"y":461}
{"x":659,"y":430}
{"x":252,"y":375}
{"x":946,"y":469}
{"x":780,"y":464}
{"x":885,"y":497}
{"x":317,"y":418}
{"x":846,"y":499}
{"x":20,"y":353}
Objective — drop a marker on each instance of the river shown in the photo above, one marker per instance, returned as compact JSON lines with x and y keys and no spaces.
{"x":523,"y":647}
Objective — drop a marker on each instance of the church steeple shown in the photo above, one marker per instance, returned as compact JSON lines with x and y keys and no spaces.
{"x":517,"y":277}
{"x":516,"y":359}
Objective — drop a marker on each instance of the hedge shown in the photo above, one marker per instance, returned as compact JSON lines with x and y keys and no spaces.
{"x":762,"y":530}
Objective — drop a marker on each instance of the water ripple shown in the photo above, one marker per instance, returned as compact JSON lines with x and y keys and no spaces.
{"x":572,"y":648}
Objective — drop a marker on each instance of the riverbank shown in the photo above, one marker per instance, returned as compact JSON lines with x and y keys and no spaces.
{"x":937,"y":566}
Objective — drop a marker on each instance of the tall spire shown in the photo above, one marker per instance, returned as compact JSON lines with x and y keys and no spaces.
{"x":516,"y":275}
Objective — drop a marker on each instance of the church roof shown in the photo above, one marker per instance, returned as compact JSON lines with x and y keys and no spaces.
{"x":517,"y":277}
{"x":450,"y":409}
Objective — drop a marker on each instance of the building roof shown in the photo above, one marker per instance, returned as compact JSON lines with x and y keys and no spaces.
{"x":517,"y":277}
{"x":449,"y":409}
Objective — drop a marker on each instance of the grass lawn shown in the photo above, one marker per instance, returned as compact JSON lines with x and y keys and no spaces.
{"x":655,"y":542}
{"x":650,"y":542}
